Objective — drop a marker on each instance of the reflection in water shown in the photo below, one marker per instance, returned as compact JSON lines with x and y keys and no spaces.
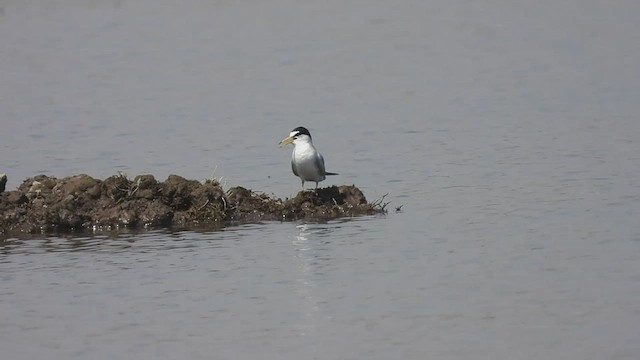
{"x":312,"y":251}
{"x":306,"y":287}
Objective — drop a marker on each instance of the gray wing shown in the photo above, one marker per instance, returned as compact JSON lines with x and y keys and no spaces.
{"x":320,"y":164}
{"x":293,"y":167}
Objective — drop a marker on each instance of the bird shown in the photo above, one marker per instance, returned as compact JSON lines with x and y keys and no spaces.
{"x":306,"y":162}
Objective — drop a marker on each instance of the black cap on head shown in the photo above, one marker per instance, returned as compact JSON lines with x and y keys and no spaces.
{"x":302,"y":131}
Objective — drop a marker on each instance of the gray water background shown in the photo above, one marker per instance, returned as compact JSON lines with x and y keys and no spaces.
{"x":508,"y":131}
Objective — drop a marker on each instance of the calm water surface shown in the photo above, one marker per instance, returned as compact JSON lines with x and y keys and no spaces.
{"x":509,"y":133}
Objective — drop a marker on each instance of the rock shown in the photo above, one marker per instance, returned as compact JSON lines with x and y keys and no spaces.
{"x":147,"y":187}
{"x":80,"y":185}
{"x":44,"y":203}
{"x":117,"y":187}
{"x":36,"y":188}
{"x":155,"y":214}
{"x":145,"y":182}
{"x":177,"y":191}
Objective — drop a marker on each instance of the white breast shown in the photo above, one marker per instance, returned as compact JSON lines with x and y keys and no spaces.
{"x":305,"y":159}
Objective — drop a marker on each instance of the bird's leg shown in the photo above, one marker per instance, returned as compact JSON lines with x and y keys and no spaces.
{"x":302,"y":184}
{"x":316,"y":186}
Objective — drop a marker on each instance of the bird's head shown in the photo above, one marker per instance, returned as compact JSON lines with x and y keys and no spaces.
{"x":296,"y":135}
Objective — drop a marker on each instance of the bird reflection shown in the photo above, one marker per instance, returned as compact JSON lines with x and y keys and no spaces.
{"x":312,"y":247}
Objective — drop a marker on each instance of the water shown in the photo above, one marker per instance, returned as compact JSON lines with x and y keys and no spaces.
{"x":507,"y":132}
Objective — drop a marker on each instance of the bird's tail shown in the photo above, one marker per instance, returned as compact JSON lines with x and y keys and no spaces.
{"x":328,"y":173}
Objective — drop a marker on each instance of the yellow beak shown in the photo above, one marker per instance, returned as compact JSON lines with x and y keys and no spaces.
{"x":286,"y":141}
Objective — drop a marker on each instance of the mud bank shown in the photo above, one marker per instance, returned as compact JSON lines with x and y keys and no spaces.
{"x":48,"y":204}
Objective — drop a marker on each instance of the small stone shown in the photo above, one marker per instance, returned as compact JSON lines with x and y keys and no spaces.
{"x":36,"y":187}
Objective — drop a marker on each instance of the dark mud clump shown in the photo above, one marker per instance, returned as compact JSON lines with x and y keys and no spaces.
{"x":47,"y":204}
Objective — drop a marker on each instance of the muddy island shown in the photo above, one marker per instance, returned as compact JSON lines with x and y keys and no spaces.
{"x":44,"y":204}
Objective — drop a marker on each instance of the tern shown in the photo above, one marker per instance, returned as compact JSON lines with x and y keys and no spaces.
{"x":306,"y":162}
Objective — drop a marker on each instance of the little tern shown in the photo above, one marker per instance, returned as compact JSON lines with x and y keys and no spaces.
{"x":306,"y":162}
